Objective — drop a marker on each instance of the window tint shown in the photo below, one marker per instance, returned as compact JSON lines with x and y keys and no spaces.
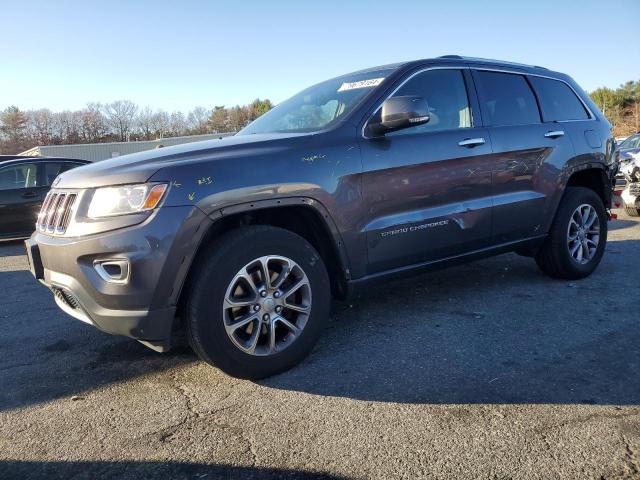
{"x":53,"y":169}
{"x":557,"y":100}
{"x":446,"y":94}
{"x":18,"y":176}
{"x":507,"y":99}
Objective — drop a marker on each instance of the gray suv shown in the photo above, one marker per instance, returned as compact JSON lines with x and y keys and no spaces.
{"x":369,"y":176}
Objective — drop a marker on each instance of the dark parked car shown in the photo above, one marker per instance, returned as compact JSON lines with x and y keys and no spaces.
{"x":379,"y":173}
{"x":24,"y":182}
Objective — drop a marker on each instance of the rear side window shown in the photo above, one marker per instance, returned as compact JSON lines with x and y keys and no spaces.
{"x":507,"y":99}
{"x":557,"y":101}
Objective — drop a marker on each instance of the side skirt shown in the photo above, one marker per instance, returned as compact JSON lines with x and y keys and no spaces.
{"x":354,"y":286}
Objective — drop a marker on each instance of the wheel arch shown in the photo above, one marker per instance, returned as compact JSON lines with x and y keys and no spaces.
{"x":301,"y":215}
{"x":589,"y":175}
{"x":594,"y":177}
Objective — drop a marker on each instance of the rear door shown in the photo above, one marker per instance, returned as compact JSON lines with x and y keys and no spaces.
{"x":21,"y":194}
{"x":427,"y":189}
{"x":529,"y":154}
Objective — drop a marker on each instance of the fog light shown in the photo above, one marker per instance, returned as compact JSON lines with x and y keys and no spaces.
{"x":113,"y":270}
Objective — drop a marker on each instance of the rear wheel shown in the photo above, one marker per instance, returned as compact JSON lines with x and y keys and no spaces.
{"x":578,"y":236}
{"x":259,"y":300}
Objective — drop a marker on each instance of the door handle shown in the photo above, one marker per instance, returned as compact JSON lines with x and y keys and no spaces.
{"x":471,"y":142}
{"x":29,"y":195}
{"x":554,"y":134}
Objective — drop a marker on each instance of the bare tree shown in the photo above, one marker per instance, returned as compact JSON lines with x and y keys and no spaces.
{"x":121,"y":115}
{"x":160,"y":123}
{"x":67,"y":126}
{"x":40,"y":126}
{"x":197,"y":120}
{"x":94,"y":125}
{"x":145,"y":124}
{"x":177,"y":124}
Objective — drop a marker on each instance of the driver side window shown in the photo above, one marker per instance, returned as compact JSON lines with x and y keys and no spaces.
{"x":446,"y":95}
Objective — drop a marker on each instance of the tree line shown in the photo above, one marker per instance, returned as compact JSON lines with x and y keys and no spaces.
{"x":119,"y":121}
{"x":621,"y":106}
{"x":123,"y":120}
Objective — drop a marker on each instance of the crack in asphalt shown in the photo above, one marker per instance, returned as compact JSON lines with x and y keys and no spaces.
{"x":169,"y":431}
{"x":191,"y":416}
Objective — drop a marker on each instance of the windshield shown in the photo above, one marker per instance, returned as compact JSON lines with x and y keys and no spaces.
{"x":631,"y":142}
{"x":318,"y":107}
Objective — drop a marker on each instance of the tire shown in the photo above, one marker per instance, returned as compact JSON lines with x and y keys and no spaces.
{"x":220,"y":274}
{"x":554,"y":257}
{"x":632,"y":211}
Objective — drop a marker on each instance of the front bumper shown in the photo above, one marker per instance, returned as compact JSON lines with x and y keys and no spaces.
{"x":158,"y":251}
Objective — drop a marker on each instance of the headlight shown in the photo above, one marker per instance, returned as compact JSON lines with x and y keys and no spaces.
{"x":110,"y":201}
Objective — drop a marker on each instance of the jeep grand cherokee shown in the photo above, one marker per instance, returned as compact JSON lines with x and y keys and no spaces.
{"x":375,"y":174}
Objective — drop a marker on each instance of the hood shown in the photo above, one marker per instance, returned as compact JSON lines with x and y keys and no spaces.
{"x":139,"y":167}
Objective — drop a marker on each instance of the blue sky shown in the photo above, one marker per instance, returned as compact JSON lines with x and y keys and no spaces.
{"x":176,"y":55}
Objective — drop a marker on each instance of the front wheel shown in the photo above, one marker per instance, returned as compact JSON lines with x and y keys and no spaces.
{"x":259,"y":299}
{"x":578,"y":236}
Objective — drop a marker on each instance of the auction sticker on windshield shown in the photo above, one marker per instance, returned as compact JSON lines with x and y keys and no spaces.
{"x":372,"y":82}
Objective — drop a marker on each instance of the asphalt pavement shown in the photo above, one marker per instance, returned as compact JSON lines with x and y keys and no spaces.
{"x":489,"y":370}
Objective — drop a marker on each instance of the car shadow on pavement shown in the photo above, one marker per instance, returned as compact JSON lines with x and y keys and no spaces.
{"x":12,"y":247}
{"x":620,"y":224}
{"x":496,"y":331}
{"x":148,"y":470}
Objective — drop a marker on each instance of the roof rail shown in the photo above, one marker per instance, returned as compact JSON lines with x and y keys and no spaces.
{"x":489,"y":60}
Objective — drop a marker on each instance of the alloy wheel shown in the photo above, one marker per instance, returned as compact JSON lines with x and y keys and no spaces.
{"x":267,"y":305}
{"x":583,"y":234}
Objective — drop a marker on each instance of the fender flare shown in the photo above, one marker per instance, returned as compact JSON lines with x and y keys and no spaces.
{"x":564,"y":182}
{"x":308,"y":202}
{"x":608,"y":179}
{"x":214,"y":217}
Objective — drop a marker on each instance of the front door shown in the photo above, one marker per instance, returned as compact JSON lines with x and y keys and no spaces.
{"x":427,"y":189}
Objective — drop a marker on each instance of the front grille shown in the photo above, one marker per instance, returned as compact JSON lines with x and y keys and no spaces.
{"x":55,"y":214}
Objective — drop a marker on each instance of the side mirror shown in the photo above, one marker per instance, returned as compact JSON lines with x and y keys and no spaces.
{"x":401,"y":112}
